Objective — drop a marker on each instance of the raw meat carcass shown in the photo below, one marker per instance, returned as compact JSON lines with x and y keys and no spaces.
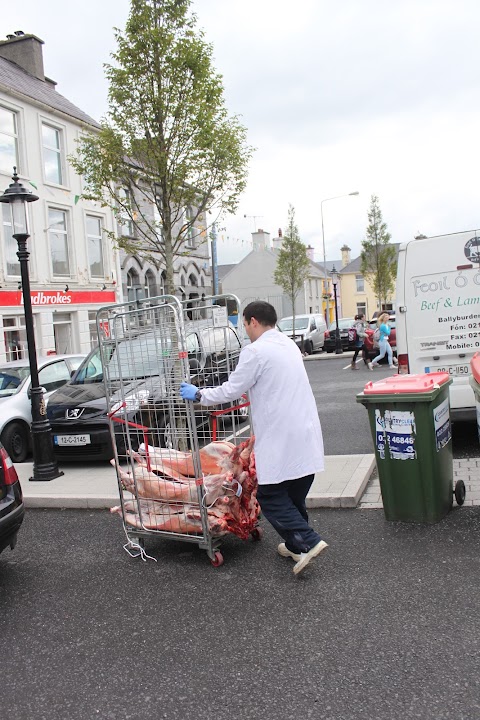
{"x":166,"y":493}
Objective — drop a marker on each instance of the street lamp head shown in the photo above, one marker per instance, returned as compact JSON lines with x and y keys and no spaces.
{"x":354,"y":193}
{"x":334,"y":275}
{"x":17,"y":196}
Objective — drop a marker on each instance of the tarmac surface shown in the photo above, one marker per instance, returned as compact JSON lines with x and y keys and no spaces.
{"x":384,"y":626}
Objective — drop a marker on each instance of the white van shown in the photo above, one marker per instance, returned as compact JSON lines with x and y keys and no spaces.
{"x":438,"y":311}
{"x":309,"y":328}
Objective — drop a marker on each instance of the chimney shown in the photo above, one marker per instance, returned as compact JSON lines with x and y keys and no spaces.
{"x":25,"y":51}
{"x":310,"y":251}
{"x":278,"y":241}
{"x":345,"y":250}
{"x":261,"y":240}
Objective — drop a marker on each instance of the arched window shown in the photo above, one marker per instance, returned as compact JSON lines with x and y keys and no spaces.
{"x":132,"y":284}
{"x":192,"y":280}
{"x":163,"y":282}
{"x":150,"y":284}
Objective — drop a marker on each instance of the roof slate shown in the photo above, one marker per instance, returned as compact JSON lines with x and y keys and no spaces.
{"x":13,"y":77}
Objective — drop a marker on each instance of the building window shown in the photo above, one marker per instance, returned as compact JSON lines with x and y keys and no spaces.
{"x":95,"y":246}
{"x":8,"y":140}
{"x":92,"y":327}
{"x":15,"y":338}
{"x":361,"y":309}
{"x":59,"y":245}
{"x":11,"y":246}
{"x":191,"y":231}
{"x":316,"y":288}
{"x":360,"y":281}
{"x":52,"y":154}
{"x":62,"y":330}
{"x":158,"y":220}
{"x":150,"y":284}
{"x":310,"y":288}
{"x":125,"y":222}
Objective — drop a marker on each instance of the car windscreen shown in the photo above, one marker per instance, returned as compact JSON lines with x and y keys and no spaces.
{"x":343,"y":323}
{"x":12,"y":378}
{"x":140,"y":357}
{"x":301,"y":323}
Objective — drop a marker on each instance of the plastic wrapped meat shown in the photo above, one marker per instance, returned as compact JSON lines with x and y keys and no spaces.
{"x":167,"y":496}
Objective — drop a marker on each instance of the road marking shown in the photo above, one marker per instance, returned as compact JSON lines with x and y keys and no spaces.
{"x":348,"y":367}
{"x":238,"y":434}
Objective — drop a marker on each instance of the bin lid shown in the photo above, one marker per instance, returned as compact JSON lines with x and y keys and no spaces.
{"x":475,"y":367}
{"x":398,"y":384}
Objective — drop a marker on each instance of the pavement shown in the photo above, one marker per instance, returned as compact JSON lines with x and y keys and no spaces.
{"x":348,"y":481}
{"x":95,"y":486}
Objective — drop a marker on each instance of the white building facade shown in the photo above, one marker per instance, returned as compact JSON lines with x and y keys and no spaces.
{"x":74,"y":269}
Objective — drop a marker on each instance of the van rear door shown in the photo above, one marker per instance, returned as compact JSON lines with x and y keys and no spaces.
{"x":438,"y":309}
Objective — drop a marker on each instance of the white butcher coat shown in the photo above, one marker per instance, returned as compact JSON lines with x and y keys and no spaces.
{"x":288,"y":436}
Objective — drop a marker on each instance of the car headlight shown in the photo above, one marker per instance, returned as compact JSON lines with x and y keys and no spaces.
{"x":131,"y":403}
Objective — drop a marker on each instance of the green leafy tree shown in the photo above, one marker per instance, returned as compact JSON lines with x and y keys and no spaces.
{"x":293,"y":264}
{"x":379,"y":259}
{"x":167,"y":152}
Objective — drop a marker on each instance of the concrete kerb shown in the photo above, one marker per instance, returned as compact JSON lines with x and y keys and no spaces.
{"x":94,"y":487}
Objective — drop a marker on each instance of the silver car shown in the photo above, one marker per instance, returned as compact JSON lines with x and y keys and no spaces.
{"x":15,"y":405}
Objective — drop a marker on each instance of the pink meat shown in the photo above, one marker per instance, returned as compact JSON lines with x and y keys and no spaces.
{"x":172,"y":505}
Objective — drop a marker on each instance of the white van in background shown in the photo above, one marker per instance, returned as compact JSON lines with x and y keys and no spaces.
{"x":438,"y":311}
{"x":309,"y":328}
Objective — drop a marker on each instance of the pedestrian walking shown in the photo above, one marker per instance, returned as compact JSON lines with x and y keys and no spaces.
{"x":288,"y":436}
{"x":383,"y":330}
{"x":359,"y":326}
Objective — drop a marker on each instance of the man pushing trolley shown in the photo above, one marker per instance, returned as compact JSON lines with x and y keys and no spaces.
{"x":288,"y":436}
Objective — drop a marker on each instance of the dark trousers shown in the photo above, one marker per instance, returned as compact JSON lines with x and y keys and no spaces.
{"x":359,"y":348}
{"x":283,"y":505}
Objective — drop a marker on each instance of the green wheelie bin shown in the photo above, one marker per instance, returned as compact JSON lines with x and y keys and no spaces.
{"x":410,"y":423}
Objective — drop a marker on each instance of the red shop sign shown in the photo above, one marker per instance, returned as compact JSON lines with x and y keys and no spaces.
{"x":58,"y":298}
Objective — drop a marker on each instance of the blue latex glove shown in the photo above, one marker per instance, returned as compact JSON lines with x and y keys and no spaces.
{"x":188,"y":391}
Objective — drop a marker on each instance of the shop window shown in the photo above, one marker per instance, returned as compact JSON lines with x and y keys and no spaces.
{"x":15,"y":338}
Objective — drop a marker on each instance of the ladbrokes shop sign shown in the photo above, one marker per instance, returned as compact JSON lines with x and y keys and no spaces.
{"x":57,"y":298}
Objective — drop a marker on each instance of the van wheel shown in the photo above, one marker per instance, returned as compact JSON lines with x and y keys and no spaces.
{"x":15,"y":440}
{"x":309,"y":347}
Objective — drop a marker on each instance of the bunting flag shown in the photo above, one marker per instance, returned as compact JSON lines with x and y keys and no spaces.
{"x":76,"y":199}
{"x":33,"y":184}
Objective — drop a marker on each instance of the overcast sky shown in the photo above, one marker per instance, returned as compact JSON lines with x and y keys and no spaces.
{"x":374,"y":96}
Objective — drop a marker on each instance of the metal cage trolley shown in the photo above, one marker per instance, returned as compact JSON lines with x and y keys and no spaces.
{"x":184,"y":471}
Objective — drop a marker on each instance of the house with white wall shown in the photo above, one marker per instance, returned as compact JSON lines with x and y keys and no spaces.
{"x":252,"y":279}
{"x":73,"y":267}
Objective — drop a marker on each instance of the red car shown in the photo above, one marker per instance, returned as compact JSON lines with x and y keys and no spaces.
{"x":12,"y":509}
{"x":368,"y":341}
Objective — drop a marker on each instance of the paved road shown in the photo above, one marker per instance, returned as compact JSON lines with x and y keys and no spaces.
{"x":345,"y":422}
{"x":386,"y":625}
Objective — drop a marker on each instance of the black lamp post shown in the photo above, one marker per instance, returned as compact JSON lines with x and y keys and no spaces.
{"x":44,"y":463}
{"x":338,"y":342}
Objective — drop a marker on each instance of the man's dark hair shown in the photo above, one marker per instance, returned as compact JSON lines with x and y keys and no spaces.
{"x":263,"y":312}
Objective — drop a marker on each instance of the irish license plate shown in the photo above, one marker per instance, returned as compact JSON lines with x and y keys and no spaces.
{"x":453,"y":370}
{"x":71,"y":439}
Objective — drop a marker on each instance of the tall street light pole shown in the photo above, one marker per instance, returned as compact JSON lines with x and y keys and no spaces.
{"x":327,"y":308}
{"x":44,"y":463}
{"x":338,"y":342}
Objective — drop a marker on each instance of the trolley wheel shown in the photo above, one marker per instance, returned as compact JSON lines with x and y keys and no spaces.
{"x":217,"y":560}
{"x":257,"y":534}
{"x":459,"y":492}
